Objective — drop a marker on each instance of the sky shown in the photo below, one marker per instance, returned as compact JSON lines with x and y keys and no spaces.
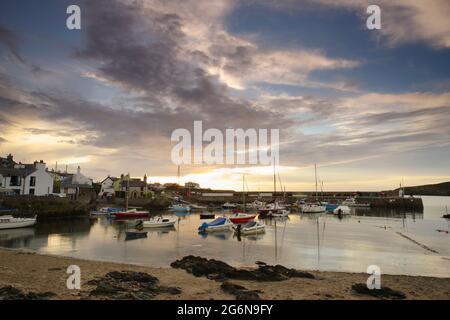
{"x":370,"y":107}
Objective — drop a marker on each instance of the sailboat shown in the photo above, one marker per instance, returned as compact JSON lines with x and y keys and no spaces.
{"x":242,"y":217}
{"x":315,"y":207}
{"x":274,"y":209}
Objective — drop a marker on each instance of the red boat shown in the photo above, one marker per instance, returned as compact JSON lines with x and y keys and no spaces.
{"x":131,"y":214}
{"x":242,"y":217}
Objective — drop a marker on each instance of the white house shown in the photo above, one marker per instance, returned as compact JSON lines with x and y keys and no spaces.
{"x":24,"y":179}
{"x":76,"y":184}
{"x":107,"y":186}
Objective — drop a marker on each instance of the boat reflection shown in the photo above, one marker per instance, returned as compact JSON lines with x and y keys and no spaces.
{"x":221,"y":235}
{"x":13,"y":238}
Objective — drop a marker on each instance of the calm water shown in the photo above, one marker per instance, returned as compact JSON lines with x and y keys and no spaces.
{"x":302,"y":241}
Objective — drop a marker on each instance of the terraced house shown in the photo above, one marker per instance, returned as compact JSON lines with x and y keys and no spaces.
{"x":24,"y":179}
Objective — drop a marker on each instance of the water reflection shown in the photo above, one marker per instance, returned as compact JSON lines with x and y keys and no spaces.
{"x":308,"y":241}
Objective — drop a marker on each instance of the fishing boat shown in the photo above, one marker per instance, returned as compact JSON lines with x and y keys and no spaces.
{"x":241,"y":217}
{"x":9,"y":222}
{"x":159,"y":222}
{"x":207,"y":216}
{"x":342,"y":210}
{"x":251,"y":227}
{"x":219,"y":224}
{"x":351,"y":202}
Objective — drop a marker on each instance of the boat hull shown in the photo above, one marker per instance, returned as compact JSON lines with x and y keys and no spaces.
{"x":148,"y":224}
{"x":218,"y":228}
{"x":258,"y":230}
{"x":242,"y":219}
{"x":130,"y":215}
{"x":19,"y":224}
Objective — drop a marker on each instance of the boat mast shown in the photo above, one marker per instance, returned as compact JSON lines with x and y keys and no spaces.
{"x":243,"y":191}
{"x":315,"y":171}
{"x":274,"y":180}
{"x":127,"y":191}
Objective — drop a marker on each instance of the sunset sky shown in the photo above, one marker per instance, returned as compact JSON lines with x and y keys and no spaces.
{"x":370,"y":107}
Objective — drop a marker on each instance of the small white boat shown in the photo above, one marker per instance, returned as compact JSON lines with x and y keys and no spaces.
{"x":159,"y":222}
{"x":282,"y":213}
{"x":252,"y":227}
{"x":313,"y":208}
{"x":219,"y":224}
{"x":351,"y":202}
{"x":343,"y":210}
{"x":9,"y":222}
{"x":228,"y":205}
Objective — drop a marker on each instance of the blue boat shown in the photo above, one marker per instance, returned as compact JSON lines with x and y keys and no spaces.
{"x":218,"y":224}
{"x":331,"y":206}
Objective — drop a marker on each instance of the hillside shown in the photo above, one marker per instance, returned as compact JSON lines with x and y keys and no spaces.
{"x":439,"y":189}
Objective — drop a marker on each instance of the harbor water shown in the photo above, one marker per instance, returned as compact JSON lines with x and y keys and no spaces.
{"x":401,"y":243}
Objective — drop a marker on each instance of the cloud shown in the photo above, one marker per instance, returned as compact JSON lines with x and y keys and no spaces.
{"x":403,"y":21}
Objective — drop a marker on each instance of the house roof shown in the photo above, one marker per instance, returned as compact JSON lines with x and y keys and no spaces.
{"x":23,"y":172}
{"x":112,"y":178}
{"x":69,"y":183}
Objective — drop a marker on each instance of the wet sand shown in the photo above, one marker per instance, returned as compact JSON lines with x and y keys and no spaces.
{"x":29,"y":271}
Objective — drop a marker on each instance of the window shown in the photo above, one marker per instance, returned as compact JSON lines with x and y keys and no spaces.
{"x":31,"y":191}
{"x":15,"y":181}
{"x":32,"y":181}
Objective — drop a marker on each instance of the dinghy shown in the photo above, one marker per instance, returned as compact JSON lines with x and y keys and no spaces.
{"x":9,"y":222}
{"x":219,"y":224}
{"x":159,"y":222}
{"x":252,"y":227}
{"x":241,"y":217}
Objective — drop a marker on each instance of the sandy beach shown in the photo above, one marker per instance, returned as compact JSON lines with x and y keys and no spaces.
{"x":31,"y":272}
